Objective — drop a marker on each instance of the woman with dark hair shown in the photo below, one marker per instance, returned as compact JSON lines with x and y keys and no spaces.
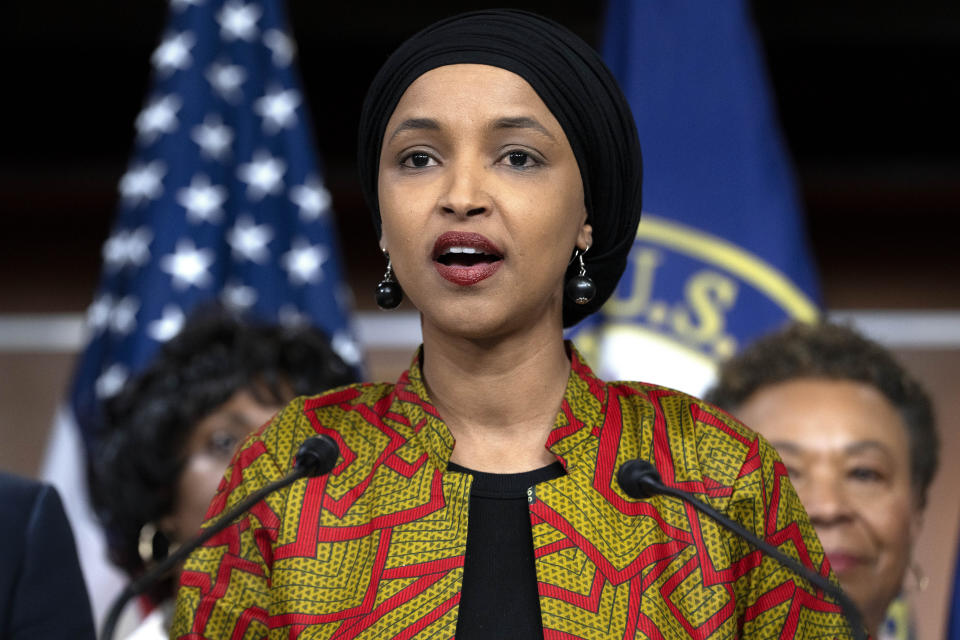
{"x":857,"y":436}
{"x":173,"y":429}
{"x":476,"y":497}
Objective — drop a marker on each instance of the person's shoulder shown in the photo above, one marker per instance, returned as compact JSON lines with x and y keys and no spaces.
{"x":681,"y":405}
{"x":14,"y":485}
{"x":332,"y":411}
{"x":721,"y":443}
{"x":367,"y":393}
{"x":20,"y":495}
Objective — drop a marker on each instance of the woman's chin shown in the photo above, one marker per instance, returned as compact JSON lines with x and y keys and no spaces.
{"x":473,"y":320}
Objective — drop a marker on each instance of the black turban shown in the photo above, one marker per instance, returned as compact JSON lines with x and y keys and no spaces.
{"x":576,"y":86}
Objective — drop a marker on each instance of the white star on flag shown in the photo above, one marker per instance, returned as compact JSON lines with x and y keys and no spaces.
{"x":142,"y":182}
{"x":111,"y":381}
{"x":263,"y":175}
{"x":173,"y":53}
{"x":226,"y":80}
{"x":98,"y":313}
{"x":127,"y":247}
{"x":123,"y":316}
{"x":249,"y":240}
{"x":168,"y":325}
{"x":278,"y":109}
{"x":213,"y":137}
{"x":346,"y":347}
{"x":281,"y":47}
{"x":157,"y":118}
{"x":202,"y":200}
{"x":238,"y":296}
{"x":238,"y":21}
{"x":312,"y":198}
{"x":188,"y":265}
{"x":304,"y":261}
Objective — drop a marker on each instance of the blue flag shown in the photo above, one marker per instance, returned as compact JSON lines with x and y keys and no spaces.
{"x":223,"y":199}
{"x":721,"y":254}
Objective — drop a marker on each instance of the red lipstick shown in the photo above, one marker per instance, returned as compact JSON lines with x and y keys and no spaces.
{"x":466,"y":258}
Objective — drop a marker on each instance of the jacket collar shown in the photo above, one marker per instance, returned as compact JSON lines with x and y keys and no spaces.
{"x":578,"y":420}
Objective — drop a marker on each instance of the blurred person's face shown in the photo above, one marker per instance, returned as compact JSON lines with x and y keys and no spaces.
{"x":208,"y":452}
{"x":847,"y":451}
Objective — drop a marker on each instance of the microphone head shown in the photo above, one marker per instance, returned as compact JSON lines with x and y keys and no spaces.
{"x":317,"y":455}
{"x":638,"y":479}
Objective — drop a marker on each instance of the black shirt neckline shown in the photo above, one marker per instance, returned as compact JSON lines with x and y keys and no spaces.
{"x":507,"y":486}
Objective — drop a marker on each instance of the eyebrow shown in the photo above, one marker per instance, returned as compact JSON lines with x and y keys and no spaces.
{"x":866,"y":445}
{"x":415,"y":124}
{"x":854,"y":447}
{"x":789,"y":447}
{"x":429,"y":124}
{"x":522,"y":122}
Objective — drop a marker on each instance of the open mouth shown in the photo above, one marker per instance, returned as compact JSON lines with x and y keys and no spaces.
{"x":465,"y":249}
{"x":466,"y":257}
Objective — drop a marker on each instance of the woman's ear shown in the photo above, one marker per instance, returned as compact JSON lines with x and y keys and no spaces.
{"x":585,"y":237}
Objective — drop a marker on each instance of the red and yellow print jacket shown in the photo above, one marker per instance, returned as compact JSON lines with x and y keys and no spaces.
{"x":375,"y":549}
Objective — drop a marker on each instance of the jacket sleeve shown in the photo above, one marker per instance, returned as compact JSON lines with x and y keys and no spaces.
{"x":50,"y":599}
{"x":225,"y":584}
{"x":774,"y":602}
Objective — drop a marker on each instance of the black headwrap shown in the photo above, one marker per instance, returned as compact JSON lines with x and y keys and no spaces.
{"x":576,"y":86}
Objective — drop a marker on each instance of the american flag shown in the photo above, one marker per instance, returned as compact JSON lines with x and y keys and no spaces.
{"x":223,"y":199}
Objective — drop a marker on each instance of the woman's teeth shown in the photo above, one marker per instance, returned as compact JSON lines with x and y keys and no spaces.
{"x":465,"y":256}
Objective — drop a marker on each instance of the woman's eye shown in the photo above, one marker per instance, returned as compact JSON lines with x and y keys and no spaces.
{"x":520,"y":159}
{"x":223,"y":444}
{"x":418,"y":160}
{"x":865,"y":474}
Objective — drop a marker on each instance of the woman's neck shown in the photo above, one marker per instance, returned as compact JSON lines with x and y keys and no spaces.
{"x":498,"y":397}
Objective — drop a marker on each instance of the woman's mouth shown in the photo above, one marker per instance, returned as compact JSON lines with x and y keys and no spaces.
{"x":465,"y":258}
{"x":843,"y":562}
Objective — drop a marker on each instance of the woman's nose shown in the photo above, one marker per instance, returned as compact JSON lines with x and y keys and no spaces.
{"x":466,"y":191}
{"x":826,"y":500}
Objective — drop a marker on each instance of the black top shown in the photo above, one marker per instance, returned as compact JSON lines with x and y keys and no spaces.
{"x":499,"y":597}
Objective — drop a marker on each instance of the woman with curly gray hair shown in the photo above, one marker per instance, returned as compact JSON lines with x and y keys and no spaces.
{"x":856,"y":433}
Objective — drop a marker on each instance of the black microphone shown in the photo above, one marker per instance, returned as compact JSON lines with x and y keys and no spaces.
{"x":317,"y":456}
{"x":640,"y":480}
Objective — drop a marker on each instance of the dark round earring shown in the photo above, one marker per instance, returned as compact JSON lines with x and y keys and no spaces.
{"x":581,"y":288}
{"x":389,"y":294}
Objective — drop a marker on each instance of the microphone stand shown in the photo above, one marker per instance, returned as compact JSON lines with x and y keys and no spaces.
{"x":317,"y":456}
{"x":639,"y":479}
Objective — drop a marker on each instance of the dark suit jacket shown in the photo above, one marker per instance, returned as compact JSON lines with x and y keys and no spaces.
{"x":42,"y":594}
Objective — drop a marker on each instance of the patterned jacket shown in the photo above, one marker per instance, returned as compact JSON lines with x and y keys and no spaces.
{"x":376,"y":549}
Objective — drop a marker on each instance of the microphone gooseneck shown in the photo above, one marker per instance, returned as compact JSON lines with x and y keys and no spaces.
{"x":640,"y":480}
{"x":317,"y":455}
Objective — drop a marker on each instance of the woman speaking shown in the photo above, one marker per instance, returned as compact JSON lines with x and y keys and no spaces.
{"x":477,"y":496}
